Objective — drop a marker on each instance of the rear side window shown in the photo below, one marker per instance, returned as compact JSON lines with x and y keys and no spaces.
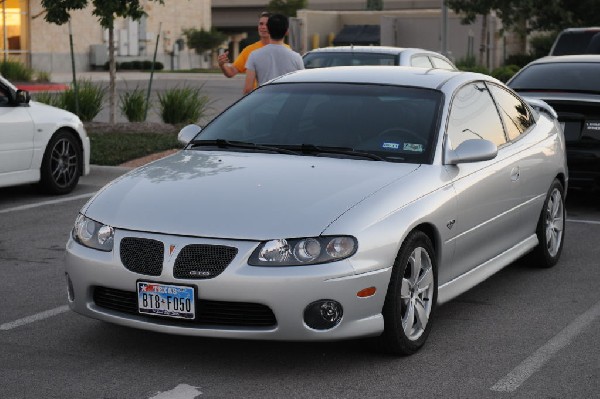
{"x":442,"y":64}
{"x":515,"y":114}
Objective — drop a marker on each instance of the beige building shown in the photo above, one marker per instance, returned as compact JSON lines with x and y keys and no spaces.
{"x":26,"y":36}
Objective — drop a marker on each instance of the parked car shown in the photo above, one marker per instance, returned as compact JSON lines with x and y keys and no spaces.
{"x":577,"y":41}
{"x":570,"y":84}
{"x":375,"y":55}
{"x":39,"y":143}
{"x":327,"y":204}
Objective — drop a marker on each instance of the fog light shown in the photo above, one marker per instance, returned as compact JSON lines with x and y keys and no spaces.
{"x":323,"y":314}
{"x":70,"y":291}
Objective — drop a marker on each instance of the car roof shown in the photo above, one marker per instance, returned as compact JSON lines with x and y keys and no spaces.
{"x":370,"y":49}
{"x":551,"y":59}
{"x":393,"y":75}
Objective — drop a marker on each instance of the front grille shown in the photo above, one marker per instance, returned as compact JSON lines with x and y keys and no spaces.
{"x":201,"y":261}
{"x":142,"y":255}
{"x":208,"y":313}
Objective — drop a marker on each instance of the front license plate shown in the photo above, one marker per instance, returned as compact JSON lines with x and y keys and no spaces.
{"x":175,"y":301}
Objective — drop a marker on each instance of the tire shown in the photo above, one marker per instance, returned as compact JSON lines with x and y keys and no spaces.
{"x":61,"y":165}
{"x":550,"y":228}
{"x":411,"y":297}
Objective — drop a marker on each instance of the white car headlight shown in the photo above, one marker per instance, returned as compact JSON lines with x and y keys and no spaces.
{"x":92,"y":234}
{"x":303,"y":251}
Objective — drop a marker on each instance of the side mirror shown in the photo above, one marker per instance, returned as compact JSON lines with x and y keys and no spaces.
{"x":188,"y":133}
{"x":473,"y":150}
{"x":23,"y":97}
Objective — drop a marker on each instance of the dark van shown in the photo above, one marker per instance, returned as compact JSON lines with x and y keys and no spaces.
{"x":577,"y":41}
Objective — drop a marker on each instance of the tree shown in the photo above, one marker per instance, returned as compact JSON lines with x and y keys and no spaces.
{"x":286,"y":7}
{"x":58,"y":12}
{"x":375,"y":5}
{"x":473,"y":8}
{"x":201,"y":40}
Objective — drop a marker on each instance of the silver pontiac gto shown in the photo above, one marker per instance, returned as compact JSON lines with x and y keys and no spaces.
{"x":328,"y":204}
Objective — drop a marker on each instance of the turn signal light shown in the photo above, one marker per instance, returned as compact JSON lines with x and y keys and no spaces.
{"x":366,"y":292}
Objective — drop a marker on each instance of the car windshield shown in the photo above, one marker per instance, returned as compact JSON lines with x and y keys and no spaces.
{"x":334,"y":58}
{"x":560,"y":76}
{"x":378,"y":122}
{"x":578,"y":42}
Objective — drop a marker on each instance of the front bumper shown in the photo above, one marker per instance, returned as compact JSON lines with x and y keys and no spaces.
{"x":286,"y":291}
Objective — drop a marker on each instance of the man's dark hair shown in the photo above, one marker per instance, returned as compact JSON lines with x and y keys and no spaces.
{"x":277,"y":25}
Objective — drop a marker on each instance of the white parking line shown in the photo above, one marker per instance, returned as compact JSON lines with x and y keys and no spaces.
{"x":533,"y":363}
{"x":44,"y":203}
{"x":181,"y":391}
{"x":33,"y":318}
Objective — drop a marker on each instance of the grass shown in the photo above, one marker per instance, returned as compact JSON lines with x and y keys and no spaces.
{"x":113,"y":149}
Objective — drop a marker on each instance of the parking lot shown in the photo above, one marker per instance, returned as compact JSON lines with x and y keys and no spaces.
{"x":524,"y":333}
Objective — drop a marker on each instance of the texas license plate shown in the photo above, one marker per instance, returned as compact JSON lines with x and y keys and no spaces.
{"x":176,"y":301}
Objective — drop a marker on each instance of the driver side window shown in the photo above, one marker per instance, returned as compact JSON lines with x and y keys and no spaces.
{"x":474,"y":116}
{"x":3,"y":97}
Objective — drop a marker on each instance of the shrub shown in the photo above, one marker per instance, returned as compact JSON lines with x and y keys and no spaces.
{"x":506,"y":72}
{"x":54,"y":99}
{"x":470,"y":64}
{"x":91,"y":97}
{"x":15,"y":71}
{"x":519,"y":60}
{"x":183,"y":105}
{"x":133,"y":105}
{"x":42,"y":76}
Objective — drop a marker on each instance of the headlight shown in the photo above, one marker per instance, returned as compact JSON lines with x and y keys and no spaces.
{"x":303,"y":251}
{"x":92,"y":234}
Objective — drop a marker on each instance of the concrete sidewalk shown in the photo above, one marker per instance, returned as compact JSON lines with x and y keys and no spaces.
{"x":103,"y":76}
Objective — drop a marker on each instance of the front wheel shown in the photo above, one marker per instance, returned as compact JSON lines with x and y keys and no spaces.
{"x":551,"y":228}
{"x":411,"y":297}
{"x":60,"y":168}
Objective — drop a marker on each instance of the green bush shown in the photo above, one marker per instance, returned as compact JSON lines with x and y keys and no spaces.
{"x":42,"y":76}
{"x":519,"y":59}
{"x":505,"y":72}
{"x":16,"y":71}
{"x":183,"y":105}
{"x":469,"y":64}
{"x":116,"y":148}
{"x":133,"y":105}
{"x":54,"y":99}
{"x":91,"y":97}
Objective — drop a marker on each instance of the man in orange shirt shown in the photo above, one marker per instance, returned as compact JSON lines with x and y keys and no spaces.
{"x":239,"y":65}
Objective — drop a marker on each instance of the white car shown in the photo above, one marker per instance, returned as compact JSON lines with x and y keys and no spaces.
{"x":327,"y":204}
{"x":39,"y":143}
{"x":375,"y":55}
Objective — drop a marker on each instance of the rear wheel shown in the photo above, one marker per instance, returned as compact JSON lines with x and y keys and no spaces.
{"x":411,"y":297}
{"x":550,"y":228}
{"x":60,"y":168}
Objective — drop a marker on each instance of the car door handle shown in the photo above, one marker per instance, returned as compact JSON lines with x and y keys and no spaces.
{"x":515,"y":174}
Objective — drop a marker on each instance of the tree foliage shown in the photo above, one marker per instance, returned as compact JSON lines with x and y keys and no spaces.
{"x":201,"y":40}
{"x":549,"y":15}
{"x":286,"y":7}
{"x":59,"y":12}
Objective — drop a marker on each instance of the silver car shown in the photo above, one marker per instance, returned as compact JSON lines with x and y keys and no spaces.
{"x":375,"y":55}
{"x":327,"y":204}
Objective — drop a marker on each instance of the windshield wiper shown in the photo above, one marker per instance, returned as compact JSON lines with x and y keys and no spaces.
{"x":314,"y":149}
{"x":220,"y":143}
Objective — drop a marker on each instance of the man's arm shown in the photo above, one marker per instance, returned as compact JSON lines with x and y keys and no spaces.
{"x":227,"y":69}
{"x":250,"y":79}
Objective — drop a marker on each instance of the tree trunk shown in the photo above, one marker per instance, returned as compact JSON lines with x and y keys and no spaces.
{"x":112,"y":71}
{"x":483,"y":46}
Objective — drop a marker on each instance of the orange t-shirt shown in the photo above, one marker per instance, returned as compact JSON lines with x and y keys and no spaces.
{"x":240,"y":61}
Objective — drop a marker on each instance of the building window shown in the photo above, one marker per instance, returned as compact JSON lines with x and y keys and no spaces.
{"x":13,"y":30}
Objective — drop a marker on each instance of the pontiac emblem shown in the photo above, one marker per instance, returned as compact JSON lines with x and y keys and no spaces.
{"x":171,"y":249}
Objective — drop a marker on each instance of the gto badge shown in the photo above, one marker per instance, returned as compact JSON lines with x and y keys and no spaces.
{"x":450,"y":224}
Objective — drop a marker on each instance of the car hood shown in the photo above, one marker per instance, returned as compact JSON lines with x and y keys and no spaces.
{"x":240,"y":195}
